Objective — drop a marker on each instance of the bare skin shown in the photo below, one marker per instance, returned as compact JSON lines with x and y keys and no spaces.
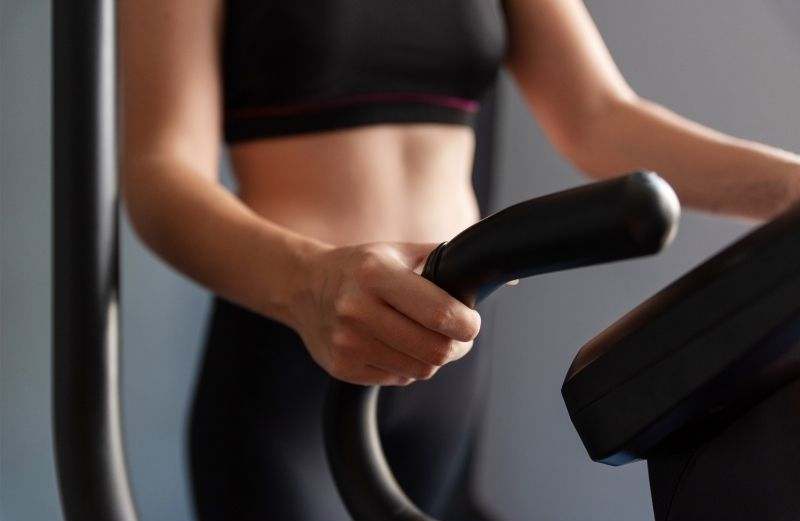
{"x":326,"y":228}
{"x":382,"y":183}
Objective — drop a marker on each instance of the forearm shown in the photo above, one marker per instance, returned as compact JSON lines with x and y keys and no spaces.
{"x":708,"y":169}
{"x":205,"y":232}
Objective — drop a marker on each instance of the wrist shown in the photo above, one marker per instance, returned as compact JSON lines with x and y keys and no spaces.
{"x":301,"y":282}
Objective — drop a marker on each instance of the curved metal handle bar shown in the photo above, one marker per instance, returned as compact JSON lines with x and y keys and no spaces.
{"x":612,"y":220}
{"x":86,"y":413}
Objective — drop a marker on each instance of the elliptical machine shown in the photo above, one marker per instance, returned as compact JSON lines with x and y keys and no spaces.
{"x":702,"y":379}
{"x":602,"y":222}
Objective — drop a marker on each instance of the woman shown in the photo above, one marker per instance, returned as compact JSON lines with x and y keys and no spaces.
{"x":349,"y":129}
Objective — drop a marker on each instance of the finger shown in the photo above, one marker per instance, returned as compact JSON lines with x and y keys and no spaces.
{"x":397,"y":331}
{"x":370,"y":375}
{"x":416,"y":253}
{"x":429,"y":305}
{"x":393,"y":361}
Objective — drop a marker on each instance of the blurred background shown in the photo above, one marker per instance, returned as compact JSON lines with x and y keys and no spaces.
{"x":731,"y":64}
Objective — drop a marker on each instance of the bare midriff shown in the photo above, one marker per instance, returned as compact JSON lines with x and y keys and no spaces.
{"x":397,"y":182}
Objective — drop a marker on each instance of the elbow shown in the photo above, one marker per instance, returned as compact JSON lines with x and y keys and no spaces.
{"x":578,"y":152}
{"x":140,"y":203}
{"x":587,"y":160}
{"x":593,"y":141}
{"x":139,"y":215}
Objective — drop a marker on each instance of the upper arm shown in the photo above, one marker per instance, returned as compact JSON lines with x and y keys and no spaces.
{"x":170,"y":87}
{"x":562,"y":65}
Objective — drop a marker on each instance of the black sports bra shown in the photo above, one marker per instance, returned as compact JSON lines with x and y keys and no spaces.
{"x":292,"y":66}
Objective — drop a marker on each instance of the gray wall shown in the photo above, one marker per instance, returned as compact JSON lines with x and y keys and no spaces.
{"x":27,"y":477}
{"x":731,"y":63}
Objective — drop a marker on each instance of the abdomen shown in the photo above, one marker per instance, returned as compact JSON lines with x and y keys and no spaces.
{"x":374,"y":183}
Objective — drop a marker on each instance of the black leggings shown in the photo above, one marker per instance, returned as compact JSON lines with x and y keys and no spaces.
{"x":256,"y":447}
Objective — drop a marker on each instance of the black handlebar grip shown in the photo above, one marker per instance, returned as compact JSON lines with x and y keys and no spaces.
{"x":621,"y":218}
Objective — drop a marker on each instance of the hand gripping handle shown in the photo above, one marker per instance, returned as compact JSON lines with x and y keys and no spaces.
{"x":621,"y":218}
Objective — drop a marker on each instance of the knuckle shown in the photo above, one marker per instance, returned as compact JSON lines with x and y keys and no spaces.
{"x":437,"y":358}
{"x":345,"y":306}
{"x":377,"y":249}
{"x":341,"y":340}
{"x":441,"y":316}
{"x":466,"y":333}
{"x":368,"y":266}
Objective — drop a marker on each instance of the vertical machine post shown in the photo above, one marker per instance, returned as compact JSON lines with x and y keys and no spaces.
{"x":88,"y":440}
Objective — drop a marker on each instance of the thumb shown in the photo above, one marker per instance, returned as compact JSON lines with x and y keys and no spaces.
{"x":416,"y":253}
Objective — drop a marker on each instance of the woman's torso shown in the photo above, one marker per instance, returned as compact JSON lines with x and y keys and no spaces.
{"x":380,"y":150}
{"x":352,"y":121}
